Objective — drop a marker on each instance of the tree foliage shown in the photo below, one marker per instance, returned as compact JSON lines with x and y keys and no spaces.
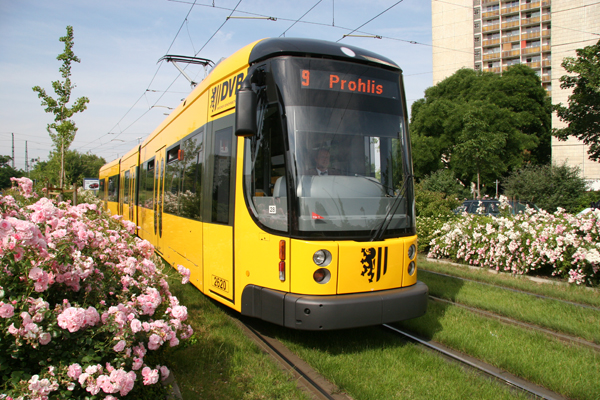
{"x":582,"y":114}
{"x":481,"y":124}
{"x":7,"y":172}
{"x":548,"y":186}
{"x":444,"y":181}
{"x":63,"y":130}
{"x":78,"y":166}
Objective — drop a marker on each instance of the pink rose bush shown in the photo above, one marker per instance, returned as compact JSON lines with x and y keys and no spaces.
{"x":85,"y":308}
{"x":568,"y":245}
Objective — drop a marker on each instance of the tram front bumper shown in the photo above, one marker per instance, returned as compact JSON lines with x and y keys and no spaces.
{"x":308,"y":312}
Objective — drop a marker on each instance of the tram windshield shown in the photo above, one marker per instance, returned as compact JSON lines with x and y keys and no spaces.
{"x":332,"y":152}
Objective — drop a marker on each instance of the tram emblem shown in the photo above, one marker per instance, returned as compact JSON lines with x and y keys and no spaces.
{"x":374,"y":262}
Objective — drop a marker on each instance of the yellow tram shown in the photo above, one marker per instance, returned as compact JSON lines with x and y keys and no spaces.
{"x":284,"y":183}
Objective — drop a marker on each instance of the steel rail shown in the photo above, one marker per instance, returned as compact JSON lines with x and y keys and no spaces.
{"x":503,"y":376}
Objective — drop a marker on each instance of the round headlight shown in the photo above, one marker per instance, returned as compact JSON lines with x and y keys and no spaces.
{"x":322,"y":276}
{"x":412,"y":250}
{"x":322,"y":257}
{"x":411,"y":268}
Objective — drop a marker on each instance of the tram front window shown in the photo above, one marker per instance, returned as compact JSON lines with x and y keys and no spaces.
{"x":333,"y":148}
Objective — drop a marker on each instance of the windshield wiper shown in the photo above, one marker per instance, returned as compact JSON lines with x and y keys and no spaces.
{"x":375,"y":181}
{"x":378,"y":234}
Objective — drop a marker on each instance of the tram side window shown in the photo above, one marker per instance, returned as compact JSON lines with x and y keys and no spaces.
{"x":113,"y":188}
{"x":221,"y":175}
{"x":190,"y":200}
{"x":147,"y":184}
{"x":126,"y":185}
{"x":100,"y":192}
{"x":172,"y":182}
{"x":265,"y":181}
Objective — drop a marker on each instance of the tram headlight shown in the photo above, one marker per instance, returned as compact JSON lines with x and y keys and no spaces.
{"x":322,"y":276}
{"x":412,"y":250}
{"x":322,"y":257}
{"x":411,"y":268}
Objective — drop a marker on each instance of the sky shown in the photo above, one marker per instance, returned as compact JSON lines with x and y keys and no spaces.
{"x":120,"y":43}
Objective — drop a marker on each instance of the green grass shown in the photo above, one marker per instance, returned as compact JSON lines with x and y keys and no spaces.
{"x":571,"y":292}
{"x":220,"y":362}
{"x":547,"y":313}
{"x":570,"y":370}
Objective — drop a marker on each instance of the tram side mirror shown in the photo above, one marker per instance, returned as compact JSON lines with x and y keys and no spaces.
{"x":245,"y":112}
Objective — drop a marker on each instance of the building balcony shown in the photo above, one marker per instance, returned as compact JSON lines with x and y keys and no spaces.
{"x":489,"y":1}
{"x":509,"y":10}
{"x":491,"y":42}
{"x":490,"y":28}
{"x":530,"y":6}
{"x":546,"y":63}
{"x":511,"y":53}
{"x":545,"y":2}
{"x":510,"y":24}
{"x":491,"y":56}
{"x":546,"y":33}
{"x":530,"y":21}
{"x":546,"y":78}
{"x":530,"y":50}
{"x":546,"y":47}
{"x":511,"y":38}
{"x":532,"y":35}
{"x":534,"y":65}
{"x":546,"y":17}
{"x":489,"y":14}
{"x":495,"y":70}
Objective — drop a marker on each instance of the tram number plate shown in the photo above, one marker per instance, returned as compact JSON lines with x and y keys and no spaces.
{"x":220,"y":283}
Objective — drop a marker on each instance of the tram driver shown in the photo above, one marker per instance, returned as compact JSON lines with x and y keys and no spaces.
{"x":322,"y":160}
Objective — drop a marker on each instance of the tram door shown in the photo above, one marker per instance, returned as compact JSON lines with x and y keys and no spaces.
{"x":218,"y":214}
{"x":159,"y":175}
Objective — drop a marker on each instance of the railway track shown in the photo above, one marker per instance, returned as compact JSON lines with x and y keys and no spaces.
{"x":309,"y":380}
{"x":560,"y":336}
{"x":475,"y":364}
{"x":513,"y":290}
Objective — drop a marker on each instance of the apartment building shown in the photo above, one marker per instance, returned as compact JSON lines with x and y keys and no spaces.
{"x":491,"y":35}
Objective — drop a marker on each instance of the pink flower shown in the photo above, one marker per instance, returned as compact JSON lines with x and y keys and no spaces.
{"x":74,"y":371}
{"x":120,"y":346}
{"x":6,"y":310}
{"x":45,"y":338}
{"x":91,"y":316}
{"x":150,"y":376}
{"x":179,"y":312}
{"x":164,"y":371}
{"x":72,"y":319}
{"x":155,"y":342}
{"x":136,"y":325}
{"x":40,"y":277}
{"x":185,"y":273}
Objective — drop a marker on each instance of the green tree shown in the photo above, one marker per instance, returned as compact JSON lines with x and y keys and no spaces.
{"x":78,"y":166}
{"x":500,"y":122}
{"x":548,"y":186}
{"x":582,"y":114}
{"x":7,"y":172}
{"x":444,"y":181}
{"x":63,"y":130}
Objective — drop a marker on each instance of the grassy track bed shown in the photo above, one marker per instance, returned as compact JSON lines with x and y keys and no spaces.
{"x":544,"y":312}
{"x":221,"y":362}
{"x":571,"y":370}
{"x":572,"y":293}
{"x":373,"y":363}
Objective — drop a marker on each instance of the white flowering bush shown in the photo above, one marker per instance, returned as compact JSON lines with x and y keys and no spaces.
{"x":85,"y":308}
{"x":566,"y":245}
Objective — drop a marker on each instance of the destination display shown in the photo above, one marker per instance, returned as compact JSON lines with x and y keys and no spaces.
{"x":348,"y":83}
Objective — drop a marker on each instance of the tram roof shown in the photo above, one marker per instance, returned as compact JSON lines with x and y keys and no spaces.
{"x":274,"y":47}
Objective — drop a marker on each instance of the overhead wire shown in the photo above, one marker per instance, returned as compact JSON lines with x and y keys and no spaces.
{"x":303,"y":15}
{"x":375,"y":17}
